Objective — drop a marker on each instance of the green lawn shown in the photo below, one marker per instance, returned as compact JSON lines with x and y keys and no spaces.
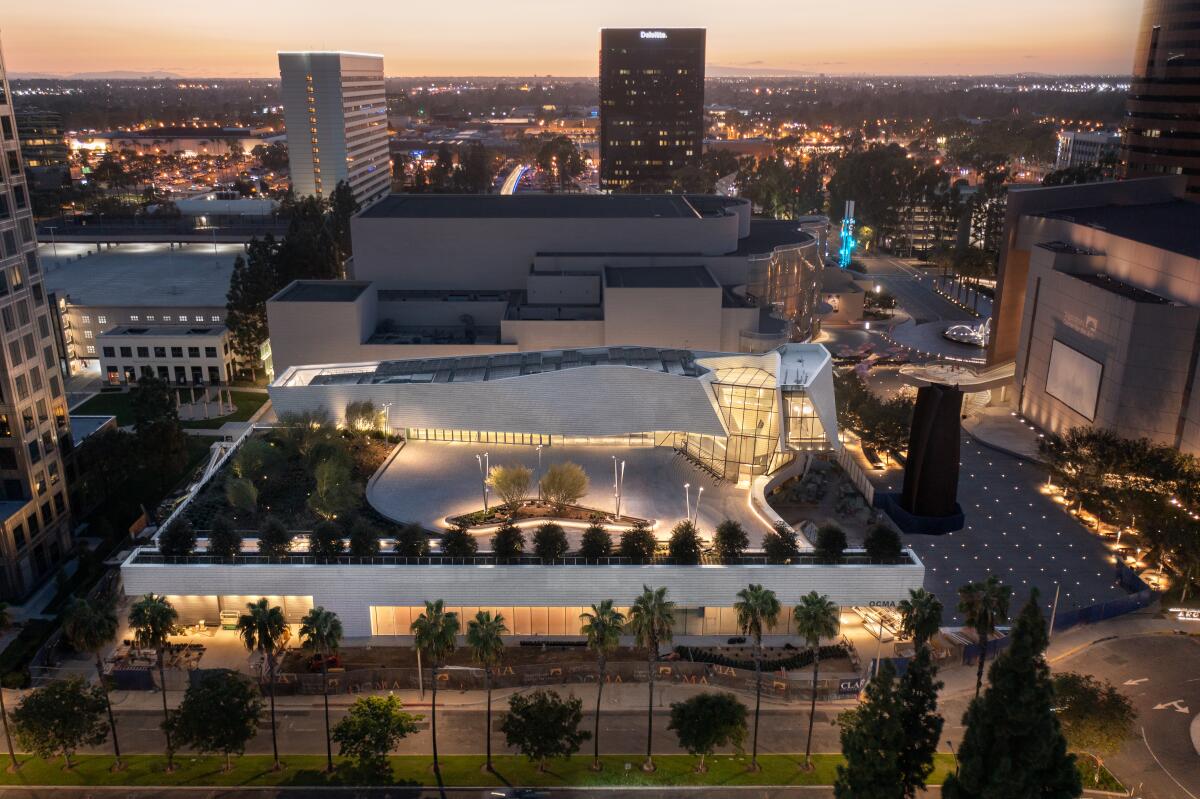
{"x":458,"y":770}
{"x":118,"y":404}
{"x":247,"y":402}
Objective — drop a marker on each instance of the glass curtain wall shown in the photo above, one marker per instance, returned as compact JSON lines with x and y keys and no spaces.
{"x":804,"y":428}
{"x":786,"y":281}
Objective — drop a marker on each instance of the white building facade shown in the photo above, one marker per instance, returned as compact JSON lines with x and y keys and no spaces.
{"x":335,"y":109}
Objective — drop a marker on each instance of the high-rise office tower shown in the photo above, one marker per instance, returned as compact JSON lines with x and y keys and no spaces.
{"x":335,"y":109}
{"x":651,"y":105}
{"x":34,"y":517}
{"x":1162,"y":129}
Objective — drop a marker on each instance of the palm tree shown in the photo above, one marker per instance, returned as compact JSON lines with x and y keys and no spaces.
{"x":756,"y":608}
{"x":434,"y":632}
{"x":984,"y":606}
{"x":321,"y":631}
{"x":487,"y":648}
{"x":90,"y":628}
{"x":921,"y":616}
{"x":816,"y":617}
{"x":602,"y":626}
{"x":5,"y":623}
{"x":651,"y":618}
{"x":153,"y":619}
{"x":263,"y":629}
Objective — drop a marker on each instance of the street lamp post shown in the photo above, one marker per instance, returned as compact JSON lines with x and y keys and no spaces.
{"x":618,"y":485}
{"x":699,"y":493}
{"x":539,"y":473}
{"x":687,"y":499}
{"x":483,"y":472}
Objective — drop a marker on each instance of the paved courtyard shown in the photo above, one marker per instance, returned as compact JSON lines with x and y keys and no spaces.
{"x":1015,"y":532}
{"x":429,"y":481}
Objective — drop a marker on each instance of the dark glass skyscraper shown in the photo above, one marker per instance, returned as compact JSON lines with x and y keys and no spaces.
{"x":1162,"y":131}
{"x":651,"y":105}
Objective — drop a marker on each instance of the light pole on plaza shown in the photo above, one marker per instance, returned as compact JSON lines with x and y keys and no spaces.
{"x":618,"y":484}
{"x":539,"y":476}
{"x":687,"y":499}
{"x":699,"y":492}
{"x":483,"y":472}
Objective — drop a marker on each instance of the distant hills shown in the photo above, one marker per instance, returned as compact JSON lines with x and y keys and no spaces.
{"x":120,"y":74}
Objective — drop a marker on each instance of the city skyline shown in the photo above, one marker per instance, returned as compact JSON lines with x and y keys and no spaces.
{"x":935,"y":38}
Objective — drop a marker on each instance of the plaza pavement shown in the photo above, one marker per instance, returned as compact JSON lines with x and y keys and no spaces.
{"x":428,"y":481}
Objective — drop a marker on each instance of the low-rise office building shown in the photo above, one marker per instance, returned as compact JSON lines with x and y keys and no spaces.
{"x":444,"y":275}
{"x":95,"y":289}
{"x":177,"y":354}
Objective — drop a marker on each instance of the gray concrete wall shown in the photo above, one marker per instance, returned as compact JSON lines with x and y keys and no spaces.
{"x":682,"y":318}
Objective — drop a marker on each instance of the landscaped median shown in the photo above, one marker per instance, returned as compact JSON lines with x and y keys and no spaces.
{"x":457,"y":770}
{"x":462,"y":771}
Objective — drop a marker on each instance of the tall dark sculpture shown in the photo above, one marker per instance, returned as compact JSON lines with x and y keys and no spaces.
{"x":929,"y":502}
{"x":931,"y":472}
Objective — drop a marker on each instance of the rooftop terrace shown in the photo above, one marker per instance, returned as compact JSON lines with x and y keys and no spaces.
{"x":140,"y":274}
{"x":1172,"y":226}
{"x":531,"y":206}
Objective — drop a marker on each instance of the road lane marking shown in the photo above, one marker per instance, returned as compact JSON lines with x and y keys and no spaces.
{"x":1177,"y":705}
{"x":1164,"y":768}
{"x":1138,"y":681}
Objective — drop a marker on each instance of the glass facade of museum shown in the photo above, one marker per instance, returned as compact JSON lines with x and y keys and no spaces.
{"x":786,"y":280}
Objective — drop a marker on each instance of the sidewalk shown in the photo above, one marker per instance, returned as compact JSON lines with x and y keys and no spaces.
{"x":996,"y":427}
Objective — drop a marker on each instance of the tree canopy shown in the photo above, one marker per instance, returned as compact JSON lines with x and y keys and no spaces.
{"x":542,"y":725}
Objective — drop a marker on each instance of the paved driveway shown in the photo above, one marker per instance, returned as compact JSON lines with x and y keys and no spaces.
{"x":429,"y":481}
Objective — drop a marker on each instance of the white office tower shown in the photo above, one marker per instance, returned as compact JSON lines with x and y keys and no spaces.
{"x":336,"y":114}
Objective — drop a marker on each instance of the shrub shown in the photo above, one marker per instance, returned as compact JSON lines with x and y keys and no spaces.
{"x":550,"y":542}
{"x":638,"y":544}
{"x":274,"y":540}
{"x":364,"y":539}
{"x":411,"y":541}
{"x":883,"y":543}
{"x":508,"y":542}
{"x":781,"y":545}
{"x":334,"y":490}
{"x":178,"y":539}
{"x":256,"y":460}
{"x":458,"y":543}
{"x":511,"y":484}
{"x":362,"y":416}
{"x":596,"y":543}
{"x":831,"y":542}
{"x":730,"y":541}
{"x":564,"y":484}
{"x":326,"y":540}
{"x":241,"y":494}
{"x":223,"y":540}
{"x":685,"y":544}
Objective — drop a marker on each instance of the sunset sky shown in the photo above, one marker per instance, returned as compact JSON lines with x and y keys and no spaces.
{"x":220,"y":38}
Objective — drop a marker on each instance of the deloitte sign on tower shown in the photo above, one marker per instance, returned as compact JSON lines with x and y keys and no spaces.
{"x":654,"y":34}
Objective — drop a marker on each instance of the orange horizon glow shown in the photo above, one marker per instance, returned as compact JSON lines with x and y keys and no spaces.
{"x":543,"y":37}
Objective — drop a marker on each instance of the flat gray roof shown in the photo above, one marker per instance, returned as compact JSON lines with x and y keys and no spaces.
{"x":531,"y":206}
{"x":1172,"y":226}
{"x":321,"y":291}
{"x":658,"y":277}
{"x":140,"y":274}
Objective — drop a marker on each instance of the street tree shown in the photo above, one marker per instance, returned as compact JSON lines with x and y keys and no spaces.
{"x":706,"y":721}
{"x":90,"y":626}
{"x":602,"y":626}
{"x":434,"y":633}
{"x":153,"y":619}
{"x":219,"y":714}
{"x":60,"y":717}
{"x":1014,"y":747}
{"x":685,"y":546}
{"x":920,"y":722}
{"x":508,"y":542}
{"x":781,"y":545}
{"x":872,"y":736}
{"x":542,"y":725}
{"x":550,"y":542}
{"x":1096,"y":718}
{"x":920,"y":616}
{"x":730,"y":541}
{"x":596,"y":542}
{"x":372,"y":727}
{"x":638,"y":544}
{"x":5,"y":623}
{"x":253,"y":282}
{"x":651,"y":619}
{"x":511,"y":484}
{"x":321,"y":634}
{"x":263,"y":629}
{"x":457,"y":542}
{"x":485,"y":639}
{"x":984,"y":606}
{"x":564,"y":484}
{"x":816,"y":617}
